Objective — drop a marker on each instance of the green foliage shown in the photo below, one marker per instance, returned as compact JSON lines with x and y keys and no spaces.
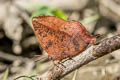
{"x":59,"y":13}
{"x":45,"y":10}
{"x":75,"y":75}
{"x":24,"y":76}
{"x":5,"y":75}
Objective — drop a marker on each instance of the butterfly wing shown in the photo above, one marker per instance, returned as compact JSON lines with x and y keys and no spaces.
{"x":60,"y":38}
{"x":49,"y":36}
{"x":49,"y":21}
{"x":80,"y":37}
{"x":75,"y":28}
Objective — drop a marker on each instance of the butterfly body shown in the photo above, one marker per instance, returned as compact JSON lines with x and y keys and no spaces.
{"x":60,"y":38}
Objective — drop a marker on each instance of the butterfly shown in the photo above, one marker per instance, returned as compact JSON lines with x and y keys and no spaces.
{"x":61,"y":39}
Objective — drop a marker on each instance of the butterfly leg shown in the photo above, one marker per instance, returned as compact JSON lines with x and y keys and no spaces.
{"x":56,"y":62}
{"x":96,"y":36}
{"x":70,"y":58}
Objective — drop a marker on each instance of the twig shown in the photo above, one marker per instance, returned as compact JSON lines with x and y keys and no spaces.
{"x":94,"y":52}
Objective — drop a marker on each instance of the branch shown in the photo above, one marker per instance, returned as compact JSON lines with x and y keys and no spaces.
{"x":94,"y":52}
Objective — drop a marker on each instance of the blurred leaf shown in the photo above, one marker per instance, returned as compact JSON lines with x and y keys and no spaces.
{"x":37,"y":68}
{"x":59,"y":13}
{"x":45,"y":10}
{"x":4,"y":77}
{"x":75,"y":75}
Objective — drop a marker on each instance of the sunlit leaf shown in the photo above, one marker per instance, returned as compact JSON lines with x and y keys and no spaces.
{"x":59,"y":13}
{"x":5,"y":75}
{"x":48,"y":11}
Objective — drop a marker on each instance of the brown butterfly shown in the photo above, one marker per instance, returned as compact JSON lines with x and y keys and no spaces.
{"x":59,"y":38}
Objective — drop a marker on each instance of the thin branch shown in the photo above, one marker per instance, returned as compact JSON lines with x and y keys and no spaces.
{"x":94,"y":52}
